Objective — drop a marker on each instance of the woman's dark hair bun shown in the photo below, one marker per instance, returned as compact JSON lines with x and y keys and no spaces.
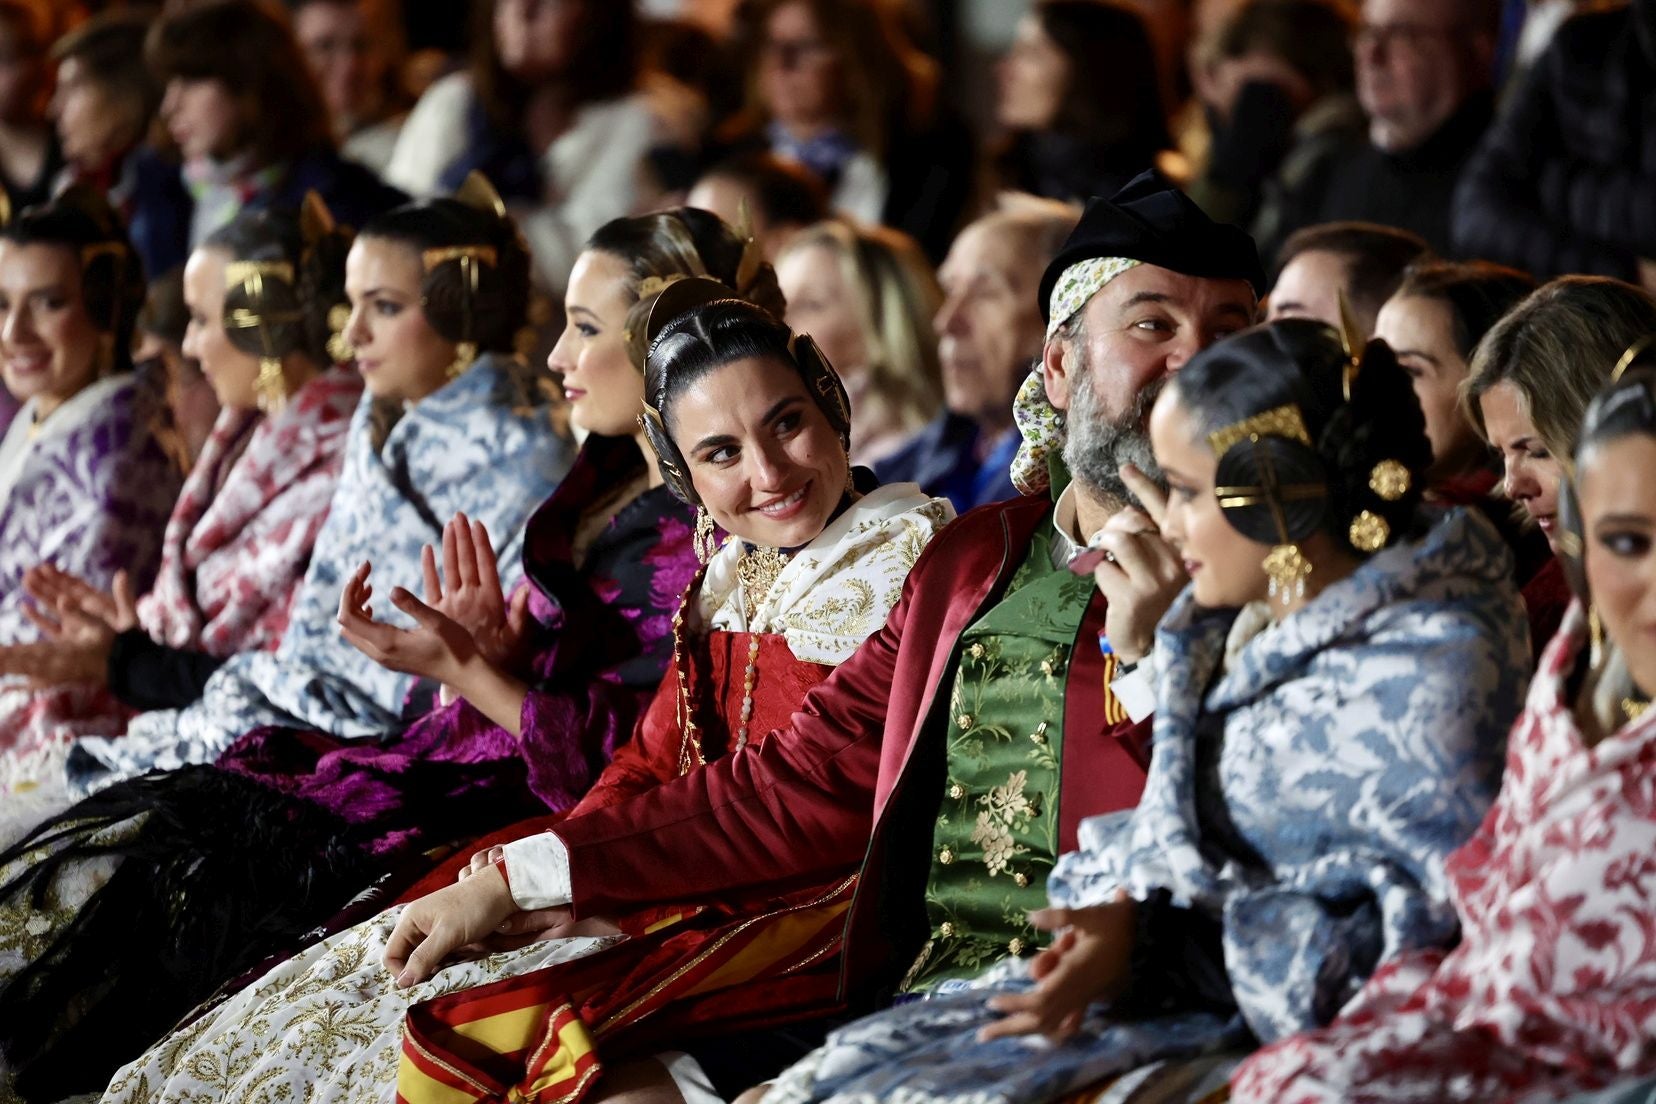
{"x":1303,"y":363}
{"x":491,"y":315}
{"x":295,"y":312}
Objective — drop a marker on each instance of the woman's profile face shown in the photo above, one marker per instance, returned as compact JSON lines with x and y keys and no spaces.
{"x":1533,"y":473}
{"x":48,"y":341}
{"x":766,"y":463}
{"x":202,"y":117}
{"x":799,"y":75}
{"x":232,"y":372}
{"x":1618,"y":510}
{"x":398,"y":353}
{"x":93,"y":126}
{"x":1224,"y":566}
{"x":1032,"y":78}
{"x":821,"y":304}
{"x":1421,"y":332}
{"x":605,"y":391}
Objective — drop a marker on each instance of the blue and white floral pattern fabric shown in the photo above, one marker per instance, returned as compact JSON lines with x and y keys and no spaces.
{"x":1304,"y":792}
{"x":484,"y":443}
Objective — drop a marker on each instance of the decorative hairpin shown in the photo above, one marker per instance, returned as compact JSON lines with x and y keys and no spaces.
{"x":1280,"y":421}
{"x":1352,"y":343}
{"x":1285,"y":566}
{"x":1634,"y":351}
{"x":477,"y":193}
{"x":250,"y":276}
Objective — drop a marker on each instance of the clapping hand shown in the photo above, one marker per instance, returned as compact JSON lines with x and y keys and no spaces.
{"x":468,"y":591}
{"x":79,"y":624}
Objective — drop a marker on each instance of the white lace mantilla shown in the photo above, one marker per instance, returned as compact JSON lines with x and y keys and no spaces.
{"x":836,"y":591}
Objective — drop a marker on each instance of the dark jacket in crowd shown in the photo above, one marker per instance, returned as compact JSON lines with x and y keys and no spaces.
{"x":1060,"y":167}
{"x":942,"y":458}
{"x":161,"y":207}
{"x":1566,"y":179}
{"x":1412,"y":189}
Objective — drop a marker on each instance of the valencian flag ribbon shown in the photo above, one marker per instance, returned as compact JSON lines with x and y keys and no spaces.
{"x":535,"y":1039}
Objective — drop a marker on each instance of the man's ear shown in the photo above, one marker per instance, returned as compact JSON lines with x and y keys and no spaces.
{"x":1057,"y":356}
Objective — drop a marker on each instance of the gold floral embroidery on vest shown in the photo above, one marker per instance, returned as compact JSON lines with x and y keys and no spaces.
{"x":1006,"y":809}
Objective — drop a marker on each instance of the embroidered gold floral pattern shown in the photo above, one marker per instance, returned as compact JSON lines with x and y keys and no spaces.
{"x":998,"y":815}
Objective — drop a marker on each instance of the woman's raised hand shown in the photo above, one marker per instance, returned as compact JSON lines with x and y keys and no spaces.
{"x":438,"y":647}
{"x":468,"y":591}
{"x":79,"y":624}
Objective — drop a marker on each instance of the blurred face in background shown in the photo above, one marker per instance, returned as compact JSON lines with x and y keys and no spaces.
{"x":21,"y":76}
{"x":338,"y":44}
{"x":94,"y":125}
{"x":1309,"y":286}
{"x":532,"y":36}
{"x":1032,"y":78}
{"x":821,"y":303}
{"x":798,"y":73}
{"x":1417,"y":61}
{"x":202,"y":117}
{"x":1533,"y":473}
{"x":989,"y":327}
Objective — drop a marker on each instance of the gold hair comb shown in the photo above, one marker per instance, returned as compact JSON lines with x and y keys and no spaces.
{"x":1281,"y":421}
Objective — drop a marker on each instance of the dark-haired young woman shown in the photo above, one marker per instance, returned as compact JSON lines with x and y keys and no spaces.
{"x":1080,"y":97}
{"x":84,"y":485}
{"x":251,"y":131}
{"x":750,"y":424}
{"x":551,"y":110}
{"x":1552,"y":988}
{"x":1331,"y":711}
{"x":240,"y":536}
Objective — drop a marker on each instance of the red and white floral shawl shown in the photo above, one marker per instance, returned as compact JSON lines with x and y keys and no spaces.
{"x":234,"y":553}
{"x":1552,"y":990}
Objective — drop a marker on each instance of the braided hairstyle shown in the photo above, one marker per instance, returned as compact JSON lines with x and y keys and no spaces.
{"x":489,"y":315}
{"x":295,"y":314}
{"x":669,"y":245}
{"x":1301,"y":363}
{"x":112,"y":276}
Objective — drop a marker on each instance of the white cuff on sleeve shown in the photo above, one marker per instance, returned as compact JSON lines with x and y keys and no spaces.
{"x":1136,"y":690}
{"x":537,"y":871}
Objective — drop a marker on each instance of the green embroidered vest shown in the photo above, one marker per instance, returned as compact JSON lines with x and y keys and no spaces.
{"x":997,"y":829}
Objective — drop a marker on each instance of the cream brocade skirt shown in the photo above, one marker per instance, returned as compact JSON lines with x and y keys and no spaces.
{"x":325,"y":1027}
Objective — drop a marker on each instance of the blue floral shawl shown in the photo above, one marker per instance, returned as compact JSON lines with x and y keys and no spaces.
{"x":484,"y":444}
{"x":1301,"y":801}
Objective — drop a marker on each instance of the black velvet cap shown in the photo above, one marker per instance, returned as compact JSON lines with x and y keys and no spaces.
{"x":1151,"y":221}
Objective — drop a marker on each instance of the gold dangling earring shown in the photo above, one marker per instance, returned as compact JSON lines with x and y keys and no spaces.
{"x":465,"y":353}
{"x":271,"y":386}
{"x":704,"y":544}
{"x":1595,"y":636}
{"x":1287,"y":568}
{"x":339,"y":346}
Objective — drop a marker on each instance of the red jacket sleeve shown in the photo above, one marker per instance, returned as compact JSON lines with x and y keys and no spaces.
{"x":799,"y":804}
{"x":648,"y":759}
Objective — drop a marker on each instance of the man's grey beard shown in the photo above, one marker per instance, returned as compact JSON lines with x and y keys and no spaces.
{"x":1095,"y":447}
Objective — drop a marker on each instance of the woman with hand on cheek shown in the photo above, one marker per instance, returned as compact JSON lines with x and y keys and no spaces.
{"x":1269,"y":866}
{"x":749,"y":423}
{"x":1552,"y":987}
{"x":241,"y":533}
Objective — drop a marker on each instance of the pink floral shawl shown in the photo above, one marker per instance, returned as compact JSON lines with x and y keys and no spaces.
{"x":234,"y":553}
{"x":1552,"y":990}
